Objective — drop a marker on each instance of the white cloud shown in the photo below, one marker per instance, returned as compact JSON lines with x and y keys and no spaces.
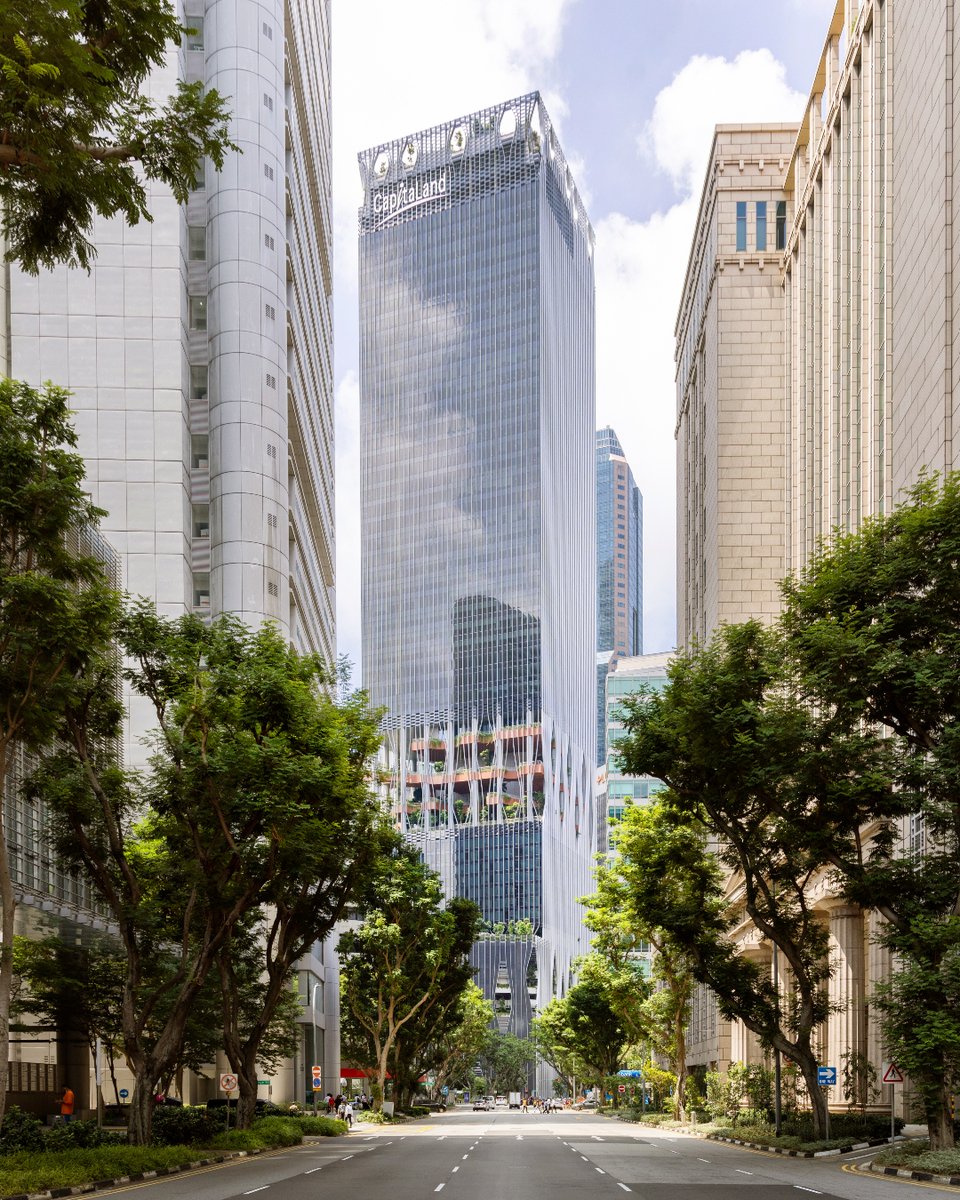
{"x":640,"y":271}
{"x":709,"y":92}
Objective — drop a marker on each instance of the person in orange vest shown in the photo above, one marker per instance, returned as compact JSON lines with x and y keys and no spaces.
{"x":67,"y":1101}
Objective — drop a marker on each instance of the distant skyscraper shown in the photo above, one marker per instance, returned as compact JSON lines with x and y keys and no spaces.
{"x":477,"y":421}
{"x":619,"y":566}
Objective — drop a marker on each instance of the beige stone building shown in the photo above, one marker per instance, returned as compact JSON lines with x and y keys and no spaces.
{"x":730,"y":380}
{"x":816,"y":381}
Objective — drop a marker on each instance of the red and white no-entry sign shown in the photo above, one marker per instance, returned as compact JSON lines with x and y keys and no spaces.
{"x":891,"y":1073}
{"x":316,"y":1072}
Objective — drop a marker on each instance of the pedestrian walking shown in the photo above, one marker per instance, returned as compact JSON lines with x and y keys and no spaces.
{"x":67,"y":1102}
{"x":348,"y":1114}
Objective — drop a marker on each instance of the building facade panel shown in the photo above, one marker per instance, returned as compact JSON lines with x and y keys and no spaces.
{"x":477,"y":410}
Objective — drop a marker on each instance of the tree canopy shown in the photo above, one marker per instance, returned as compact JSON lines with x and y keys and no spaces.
{"x":79,"y":132}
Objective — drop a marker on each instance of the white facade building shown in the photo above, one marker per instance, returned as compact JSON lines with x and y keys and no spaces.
{"x":199,"y":354}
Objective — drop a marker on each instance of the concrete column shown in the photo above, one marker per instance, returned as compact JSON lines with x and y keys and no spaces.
{"x":847,"y":1021}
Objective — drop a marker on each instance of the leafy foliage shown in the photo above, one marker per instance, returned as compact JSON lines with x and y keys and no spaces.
{"x":79,"y":132}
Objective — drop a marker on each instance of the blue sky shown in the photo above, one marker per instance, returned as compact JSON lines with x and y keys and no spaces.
{"x":635,"y":87}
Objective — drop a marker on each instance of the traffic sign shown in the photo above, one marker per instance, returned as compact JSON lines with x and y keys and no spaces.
{"x":317,"y":1085}
{"x":124,"y":1093}
{"x":444,"y":1091}
{"x":630,"y":1074}
{"x":316,"y":1072}
{"x":621,"y":1088}
{"x":827,"y":1076}
{"x":228,"y":1082}
{"x":891,"y":1073}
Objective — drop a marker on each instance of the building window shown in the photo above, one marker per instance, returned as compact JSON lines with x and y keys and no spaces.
{"x":198,"y":383}
{"x":197,"y":243}
{"x":781,"y":225}
{"x":200,"y":179}
{"x":195,"y":36}
{"x":741,"y":224}
{"x":198,"y":312}
{"x":761,"y":224}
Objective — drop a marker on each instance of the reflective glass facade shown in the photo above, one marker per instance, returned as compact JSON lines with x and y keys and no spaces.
{"x":619,"y":566}
{"x":477,"y":425}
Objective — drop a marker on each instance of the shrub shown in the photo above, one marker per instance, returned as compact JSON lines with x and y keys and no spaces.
{"x":321,"y":1126}
{"x":278,"y":1131}
{"x":371,"y":1118}
{"x":83,"y":1135}
{"x":21,"y":1131}
{"x":185,"y":1126}
{"x":238,"y":1139}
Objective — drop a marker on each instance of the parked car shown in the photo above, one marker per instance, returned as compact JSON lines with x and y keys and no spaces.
{"x":482,"y":1104}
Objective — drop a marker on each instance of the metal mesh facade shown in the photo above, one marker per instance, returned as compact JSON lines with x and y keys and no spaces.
{"x":477,"y":429}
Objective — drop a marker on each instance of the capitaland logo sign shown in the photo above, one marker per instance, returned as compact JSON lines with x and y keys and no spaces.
{"x":391,"y":202}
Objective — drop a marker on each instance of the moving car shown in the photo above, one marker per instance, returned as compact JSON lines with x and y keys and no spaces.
{"x":482,"y":1104}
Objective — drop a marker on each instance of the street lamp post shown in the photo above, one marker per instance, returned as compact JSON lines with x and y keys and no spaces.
{"x":313,"y":1038}
{"x":776,"y":1051}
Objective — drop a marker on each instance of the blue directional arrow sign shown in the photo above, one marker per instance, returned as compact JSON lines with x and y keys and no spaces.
{"x":630,"y":1074}
{"x":827,"y":1076}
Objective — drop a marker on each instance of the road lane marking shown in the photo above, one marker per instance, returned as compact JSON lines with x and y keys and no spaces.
{"x":803,"y":1189}
{"x":439,"y":1187}
{"x":624,"y":1186}
{"x":584,"y":1157}
{"x":465,"y":1157}
{"x":313,"y":1170}
{"x":740,"y":1171}
{"x":706,"y":1160}
{"x":345,"y":1157}
{"x":599,"y":1172}
{"x":259,"y":1189}
{"x":455,"y":1170}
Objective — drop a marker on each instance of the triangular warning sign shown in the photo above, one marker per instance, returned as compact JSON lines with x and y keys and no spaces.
{"x":892,"y":1074}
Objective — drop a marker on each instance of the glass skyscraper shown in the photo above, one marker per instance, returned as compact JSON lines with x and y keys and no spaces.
{"x":477,"y":426}
{"x":619,"y":567}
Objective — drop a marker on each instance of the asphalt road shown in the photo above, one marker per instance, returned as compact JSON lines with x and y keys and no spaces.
{"x":513,"y":1156}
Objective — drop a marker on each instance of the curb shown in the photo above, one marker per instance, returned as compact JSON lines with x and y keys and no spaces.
{"x":709,"y":1137}
{"x":919,"y":1176}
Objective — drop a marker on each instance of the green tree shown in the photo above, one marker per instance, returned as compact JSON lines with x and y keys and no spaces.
{"x":419,"y":1045}
{"x":397,"y":961}
{"x":56,"y":607}
{"x":454,"y":1053}
{"x":550,"y":1033}
{"x":252,"y":777}
{"x":79,"y":133}
{"x":873,"y":630}
{"x":744,"y":762}
{"x":506,"y":1061}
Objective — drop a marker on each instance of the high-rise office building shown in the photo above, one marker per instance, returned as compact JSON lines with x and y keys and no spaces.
{"x":199,"y":354}
{"x":477,"y":430}
{"x":619,"y":566}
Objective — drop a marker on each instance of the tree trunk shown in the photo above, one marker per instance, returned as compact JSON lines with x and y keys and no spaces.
{"x":680,"y":1062}
{"x":939,"y":1121}
{"x":818,"y":1097}
{"x":9,"y":907}
{"x":246,"y":1071}
{"x":140,"y":1128}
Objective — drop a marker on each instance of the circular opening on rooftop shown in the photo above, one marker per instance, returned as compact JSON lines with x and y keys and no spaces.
{"x":508,"y":124}
{"x":458,"y":140}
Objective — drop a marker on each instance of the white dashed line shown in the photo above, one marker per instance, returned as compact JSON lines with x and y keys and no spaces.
{"x":706,"y":1160}
{"x":599,"y":1172}
{"x":740,"y":1172}
{"x":313,"y":1170}
{"x":803,"y":1189}
{"x":624,"y":1186}
{"x":259,"y":1189}
{"x":584,"y":1157}
{"x":439,"y":1187}
{"x":345,"y":1157}
{"x":465,"y":1157}
{"x":455,"y":1170}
